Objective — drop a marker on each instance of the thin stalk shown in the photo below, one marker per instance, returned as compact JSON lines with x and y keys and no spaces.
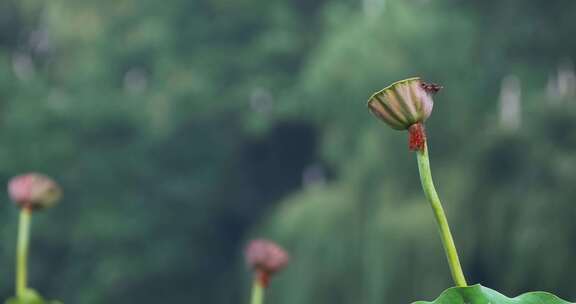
{"x":441,"y":220}
{"x":22,"y":251}
{"x":257,"y":292}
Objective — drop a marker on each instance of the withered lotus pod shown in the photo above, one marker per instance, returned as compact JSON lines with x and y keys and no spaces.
{"x":34,"y":191}
{"x":265,"y":258}
{"x":405,"y":105}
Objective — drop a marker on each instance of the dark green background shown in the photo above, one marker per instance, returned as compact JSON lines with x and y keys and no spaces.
{"x":180,"y":129}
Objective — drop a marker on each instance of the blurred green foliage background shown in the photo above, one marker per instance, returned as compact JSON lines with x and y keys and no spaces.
{"x":180,"y":129}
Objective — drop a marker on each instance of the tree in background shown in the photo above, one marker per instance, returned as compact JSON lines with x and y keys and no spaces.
{"x":182,"y":128}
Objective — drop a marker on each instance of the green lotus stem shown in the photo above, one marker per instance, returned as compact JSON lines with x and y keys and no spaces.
{"x":22,"y":251}
{"x":441,"y":220}
{"x":257,"y":293}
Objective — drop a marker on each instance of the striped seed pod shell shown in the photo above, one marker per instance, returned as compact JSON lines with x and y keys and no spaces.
{"x":403,"y":103}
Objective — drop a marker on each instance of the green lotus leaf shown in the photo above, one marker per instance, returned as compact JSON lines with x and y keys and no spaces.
{"x":478,"y":294}
{"x":30,"y":296}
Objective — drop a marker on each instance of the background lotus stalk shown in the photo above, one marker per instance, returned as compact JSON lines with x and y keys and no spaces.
{"x":22,"y":251}
{"x":30,"y":192}
{"x":257,"y":292}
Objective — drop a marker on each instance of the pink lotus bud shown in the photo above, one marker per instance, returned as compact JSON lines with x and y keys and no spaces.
{"x":405,"y":104}
{"x":266,"y":258}
{"x":34,"y":191}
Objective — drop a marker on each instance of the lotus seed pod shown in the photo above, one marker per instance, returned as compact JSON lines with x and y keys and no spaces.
{"x":266,"y":258}
{"x":34,"y":191}
{"x":404,"y":103}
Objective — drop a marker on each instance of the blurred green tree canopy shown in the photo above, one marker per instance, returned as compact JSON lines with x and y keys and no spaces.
{"x":179,"y":129}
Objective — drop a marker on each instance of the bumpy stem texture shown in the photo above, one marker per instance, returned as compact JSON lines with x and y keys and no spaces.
{"x":441,"y":220}
{"x":22,"y":251}
{"x":257,"y":292}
